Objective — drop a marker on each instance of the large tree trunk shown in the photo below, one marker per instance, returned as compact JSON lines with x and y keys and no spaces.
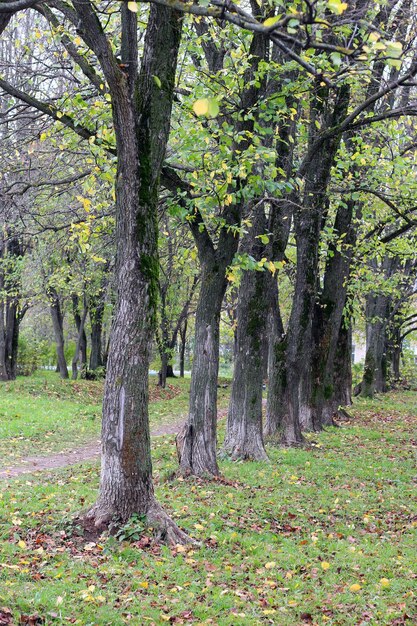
{"x":276,"y":365}
{"x":308,"y":220}
{"x":244,"y":424}
{"x":329,"y":318}
{"x":58,"y":325}
{"x":197,"y":442}
{"x":141,"y":113}
{"x":375,"y":370}
{"x":343,"y":366}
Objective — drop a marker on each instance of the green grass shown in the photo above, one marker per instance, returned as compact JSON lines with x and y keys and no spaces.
{"x":281,"y":543}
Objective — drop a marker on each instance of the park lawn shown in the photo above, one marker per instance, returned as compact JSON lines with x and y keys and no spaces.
{"x":44,"y":414}
{"x":324,"y":535}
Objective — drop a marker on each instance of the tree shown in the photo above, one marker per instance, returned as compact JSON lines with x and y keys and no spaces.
{"x":141,"y":105}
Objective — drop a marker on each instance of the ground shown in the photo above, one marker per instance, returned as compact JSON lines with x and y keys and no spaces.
{"x":323,"y":535}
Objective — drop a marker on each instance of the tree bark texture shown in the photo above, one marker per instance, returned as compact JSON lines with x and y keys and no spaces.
{"x":197,"y":445}
{"x":10,"y":251}
{"x":58,"y":325}
{"x":81,"y":344}
{"x":308,"y":221}
{"x":329,"y":318}
{"x":141,"y":115}
{"x":244,"y":439}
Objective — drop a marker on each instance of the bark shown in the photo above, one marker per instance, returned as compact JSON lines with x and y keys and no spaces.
{"x":81,"y":346}
{"x":96,"y":321}
{"x":375,"y":370}
{"x":308,"y":220}
{"x":244,"y":424}
{"x":3,"y":351}
{"x":197,"y":445}
{"x":329,"y":319}
{"x":58,"y":325}
{"x":275,"y":362}
{"x":343,"y":366}
{"x":141,"y":115}
{"x":10,"y":314}
{"x":183,"y":336}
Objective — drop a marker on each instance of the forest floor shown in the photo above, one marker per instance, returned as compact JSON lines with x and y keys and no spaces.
{"x":321,"y":535}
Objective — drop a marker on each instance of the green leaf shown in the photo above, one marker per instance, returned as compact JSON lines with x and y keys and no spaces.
{"x":337,"y":7}
{"x":271,"y":21}
{"x":157,"y":81}
{"x":206,"y":106}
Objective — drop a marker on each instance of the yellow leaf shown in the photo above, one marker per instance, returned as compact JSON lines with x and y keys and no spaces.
{"x":384,"y":582}
{"x":144,"y":584}
{"x":180,"y":548}
{"x":337,"y":7}
{"x":355,"y":587}
{"x":325,"y":565}
{"x":201,"y":107}
{"x":270,"y":565}
{"x":132,"y":6}
{"x":271,"y":21}
{"x":21,"y":544}
{"x":198,"y":526}
{"x":206,"y":106}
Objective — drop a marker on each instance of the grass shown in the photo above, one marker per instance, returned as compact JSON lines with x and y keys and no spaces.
{"x":325,"y":535}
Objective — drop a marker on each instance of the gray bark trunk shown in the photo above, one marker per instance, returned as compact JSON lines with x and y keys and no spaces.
{"x":57,"y":322}
{"x":141,"y":114}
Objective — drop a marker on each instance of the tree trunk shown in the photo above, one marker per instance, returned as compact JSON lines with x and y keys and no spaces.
{"x":183,"y":335}
{"x":244,"y":424}
{"x":375,"y":370}
{"x":96,"y":356}
{"x":9,"y":310}
{"x":81,"y":347}
{"x":81,"y":342}
{"x":3,"y":358}
{"x":329,"y":317}
{"x":58,"y":325}
{"x":309,"y":217}
{"x":343,"y":367}
{"x":141,"y":114}
{"x":197,"y":443}
{"x":162,"y":374}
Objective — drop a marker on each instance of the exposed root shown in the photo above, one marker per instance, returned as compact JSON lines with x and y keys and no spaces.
{"x":165,"y":528}
{"x":101,"y":518}
{"x":236,"y":453}
{"x":343,"y":415}
{"x":98,"y":516}
{"x":290,"y":442}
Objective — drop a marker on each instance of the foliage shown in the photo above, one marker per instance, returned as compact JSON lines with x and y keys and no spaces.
{"x":32,"y":353}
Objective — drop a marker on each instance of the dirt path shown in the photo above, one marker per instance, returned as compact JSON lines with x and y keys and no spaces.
{"x":31,"y":464}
